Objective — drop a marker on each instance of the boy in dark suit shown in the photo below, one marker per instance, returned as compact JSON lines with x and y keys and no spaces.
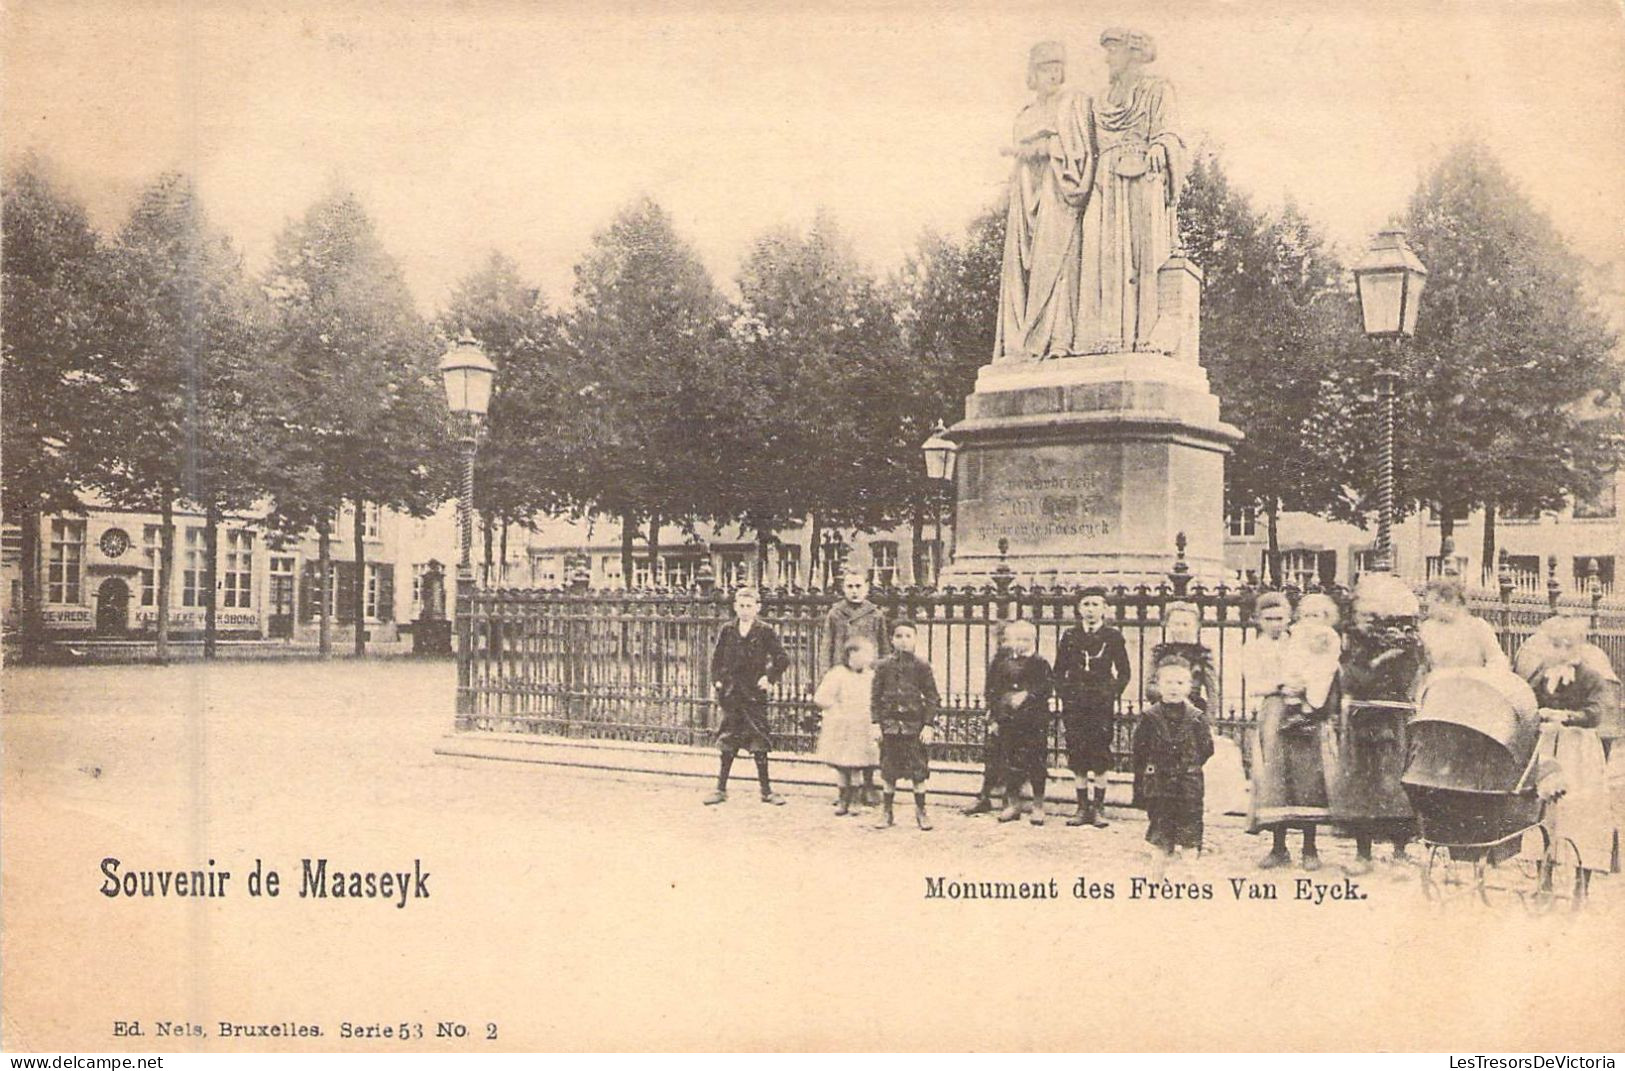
{"x":1091,"y":671}
{"x":1019,"y":684}
{"x":747,"y":661}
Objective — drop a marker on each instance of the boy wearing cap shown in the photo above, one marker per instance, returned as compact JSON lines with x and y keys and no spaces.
{"x":1091,"y":671}
{"x":904,"y":706}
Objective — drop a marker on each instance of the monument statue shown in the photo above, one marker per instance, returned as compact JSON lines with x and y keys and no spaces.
{"x":1132,"y":225}
{"x":1077,"y":469}
{"x":1049,"y":187}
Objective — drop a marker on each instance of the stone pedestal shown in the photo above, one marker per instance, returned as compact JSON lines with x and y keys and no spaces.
{"x":1090,"y":467}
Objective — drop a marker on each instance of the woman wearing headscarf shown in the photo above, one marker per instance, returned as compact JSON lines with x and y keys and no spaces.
{"x":1579,"y":696}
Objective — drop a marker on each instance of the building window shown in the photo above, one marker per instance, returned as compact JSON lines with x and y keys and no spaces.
{"x":789,"y":565}
{"x":192,"y":568}
{"x":239,"y":578}
{"x":544,"y":571}
{"x":642,"y":573}
{"x":609,"y":567}
{"x":678,"y":571}
{"x":11,"y":544}
{"x":1460,"y":514}
{"x":371,"y":607}
{"x":1524,"y":570}
{"x":1600,"y":505}
{"x":735,"y":569}
{"x":883,"y":564}
{"x":1605,"y":572}
{"x":1517,"y":514}
{"x":152,"y":536}
{"x":1244,"y":522}
{"x":1436,"y":565}
{"x":66,"y":564}
{"x":1300,"y":568}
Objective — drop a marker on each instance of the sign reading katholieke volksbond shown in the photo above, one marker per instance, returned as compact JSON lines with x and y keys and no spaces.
{"x":1092,"y":439}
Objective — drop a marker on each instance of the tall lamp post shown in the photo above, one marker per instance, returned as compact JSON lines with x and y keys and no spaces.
{"x":1390,"y":280}
{"x":940,"y":453}
{"x":467,"y":373}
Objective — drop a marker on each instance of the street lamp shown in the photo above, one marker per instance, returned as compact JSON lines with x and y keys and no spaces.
{"x":1390,"y":281}
{"x":467,"y":373}
{"x":940,"y":453}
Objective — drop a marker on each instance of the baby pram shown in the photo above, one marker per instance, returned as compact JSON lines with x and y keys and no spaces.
{"x":1473,"y":777}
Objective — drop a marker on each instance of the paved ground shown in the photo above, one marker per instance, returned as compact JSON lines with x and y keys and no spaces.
{"x":574,"y":909}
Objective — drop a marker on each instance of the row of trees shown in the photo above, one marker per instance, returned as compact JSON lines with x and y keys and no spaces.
{"x":149,"y":368}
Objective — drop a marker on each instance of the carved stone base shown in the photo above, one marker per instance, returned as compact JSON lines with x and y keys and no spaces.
{"x":1090,"y":467}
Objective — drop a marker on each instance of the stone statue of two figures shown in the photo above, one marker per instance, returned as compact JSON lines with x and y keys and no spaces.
{"x":1091,"y":261}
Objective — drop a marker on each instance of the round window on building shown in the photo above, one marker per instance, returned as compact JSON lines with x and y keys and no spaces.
{"x":114,"y":542}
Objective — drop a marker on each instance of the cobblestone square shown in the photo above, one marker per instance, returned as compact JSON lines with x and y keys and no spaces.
{"x":575,"y":908}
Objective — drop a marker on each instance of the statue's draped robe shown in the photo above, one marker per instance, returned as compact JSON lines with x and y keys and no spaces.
{"x":1131,"y":224}
{"x":1038,"y":291}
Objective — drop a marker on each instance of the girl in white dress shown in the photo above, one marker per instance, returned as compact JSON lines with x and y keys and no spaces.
{"x":846,"y":737}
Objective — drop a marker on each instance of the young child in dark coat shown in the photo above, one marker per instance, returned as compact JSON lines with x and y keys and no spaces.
{"x":904,"y":707}
{"x":1019,"y":685}
{"x":747,"y":661}
{"x":1171,"y":744}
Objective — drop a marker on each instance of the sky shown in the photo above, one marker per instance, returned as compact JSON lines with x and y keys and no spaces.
{"x":471,"y":126}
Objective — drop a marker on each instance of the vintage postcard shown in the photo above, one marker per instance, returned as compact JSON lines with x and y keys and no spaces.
{"x":813,"y":526}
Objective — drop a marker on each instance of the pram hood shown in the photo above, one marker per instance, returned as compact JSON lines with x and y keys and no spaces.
{"x":1474,"y":731}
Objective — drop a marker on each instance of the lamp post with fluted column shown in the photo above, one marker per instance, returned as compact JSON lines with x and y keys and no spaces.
{"x":467,"y":373}
{"x":1390,"y":280}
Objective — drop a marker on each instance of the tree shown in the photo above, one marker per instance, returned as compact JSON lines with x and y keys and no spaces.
{"x":829,"y":402}
{"x":54,"y":389}
{"x":1272,"y":310}
{"x":351,"y":367}
{"x":1507,"y":343}
{"x":524,"y":459}
{"x":647,"y":344}
{"x":946,"y":296}
{"x":185,"y":429}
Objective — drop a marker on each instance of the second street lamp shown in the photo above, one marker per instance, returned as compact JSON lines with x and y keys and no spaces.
{"x":1389,"y":279}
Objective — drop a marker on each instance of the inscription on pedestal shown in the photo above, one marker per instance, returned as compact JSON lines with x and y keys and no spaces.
{"x":1043,"y":499}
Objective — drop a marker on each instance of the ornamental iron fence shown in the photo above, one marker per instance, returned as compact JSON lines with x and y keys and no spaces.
{"x":636,"y":665}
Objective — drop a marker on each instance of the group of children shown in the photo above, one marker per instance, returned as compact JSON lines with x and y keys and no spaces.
{"x":878,"y":704}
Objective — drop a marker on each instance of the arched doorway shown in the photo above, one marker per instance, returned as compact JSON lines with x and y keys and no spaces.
{"x":112,"y":607}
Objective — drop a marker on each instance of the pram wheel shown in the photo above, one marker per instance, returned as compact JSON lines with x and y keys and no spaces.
{"x":1559,"y":876}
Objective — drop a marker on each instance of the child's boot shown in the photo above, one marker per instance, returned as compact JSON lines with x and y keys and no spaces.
{"x":1012,"y":805}
{"x":921,"y":819}
{"x":887,"y":819}
{"x":1097,"y":814}
{"x":1086,"y":813}
{"x":843,"y":802}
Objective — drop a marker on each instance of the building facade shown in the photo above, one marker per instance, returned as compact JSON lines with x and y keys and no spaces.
{"x":1583,"y":535}
{"x":99,"y":575}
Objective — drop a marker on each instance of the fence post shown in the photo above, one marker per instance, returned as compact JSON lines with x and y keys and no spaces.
{"x":1003,"y":577}
{"x":1180,"y":574}
{"x":1503,"y":581}
{"x":1594,"y":589}
{"x":1554,"y":590}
